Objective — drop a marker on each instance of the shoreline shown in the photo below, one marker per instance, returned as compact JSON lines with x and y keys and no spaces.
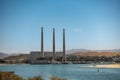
{"x":12,"y":64}
{"x":116,"y":65}
{"x":105,"y":66}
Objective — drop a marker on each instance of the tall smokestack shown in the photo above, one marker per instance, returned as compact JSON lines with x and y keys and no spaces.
{"x":42,"y":42}
{"x":64,"y":47}
{"x":54,"y":43}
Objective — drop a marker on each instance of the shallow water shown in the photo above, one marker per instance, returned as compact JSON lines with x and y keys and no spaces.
{"x":69,"y":71}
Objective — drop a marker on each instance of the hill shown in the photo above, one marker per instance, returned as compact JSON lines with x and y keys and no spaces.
{"x":3,"y":55}
{"x":87,"y":50}
{"x":18,"y":57}
{"x":77,"y":50}
{"x":106,"y":54}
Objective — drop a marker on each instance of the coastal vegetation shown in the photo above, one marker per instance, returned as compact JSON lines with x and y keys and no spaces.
{"x":12,"y":76}
{"x":2,"y":61}
{"x":94,"y":59}
{"x":56,"y":78}
{"x":9,"y":76}
{"x":75,"y":58}
{"x":36,"y":78}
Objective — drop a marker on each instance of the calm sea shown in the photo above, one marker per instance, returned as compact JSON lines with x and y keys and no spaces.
{"x":69,"y":71}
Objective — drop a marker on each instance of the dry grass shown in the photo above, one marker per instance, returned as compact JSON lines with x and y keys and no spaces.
{"x":36,"y":78}
{"x":9,"y":76}
{"x":12,"y":76}
{"x":91,"y":54}
{"x":56,"y":78}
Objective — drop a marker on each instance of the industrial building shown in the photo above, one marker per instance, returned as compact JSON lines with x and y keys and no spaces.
{"x":44,"y":57}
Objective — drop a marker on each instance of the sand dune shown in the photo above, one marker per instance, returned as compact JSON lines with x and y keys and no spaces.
{"x":105,"y":66}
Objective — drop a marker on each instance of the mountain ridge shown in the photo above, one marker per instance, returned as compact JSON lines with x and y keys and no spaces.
{"x":3,"y":55}
{"x":87,"y":50}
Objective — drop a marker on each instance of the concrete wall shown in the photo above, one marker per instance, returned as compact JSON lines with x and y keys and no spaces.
{"x":37,"y":54}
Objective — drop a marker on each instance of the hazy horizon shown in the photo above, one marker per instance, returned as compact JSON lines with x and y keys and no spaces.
{"x":28,"y":52}
{"x":89,"y":24}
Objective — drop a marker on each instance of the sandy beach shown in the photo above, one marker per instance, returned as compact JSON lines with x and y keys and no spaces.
{"x":105,"y":66}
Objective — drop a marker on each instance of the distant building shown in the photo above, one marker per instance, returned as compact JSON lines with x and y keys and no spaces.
{"x":38,"y":57}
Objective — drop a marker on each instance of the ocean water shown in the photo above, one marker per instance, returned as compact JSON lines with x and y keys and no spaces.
{"x":68,"y":71}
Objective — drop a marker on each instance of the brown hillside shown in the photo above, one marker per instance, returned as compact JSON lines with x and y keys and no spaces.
{"x":107,"y":54}
{"x":18,"y":57}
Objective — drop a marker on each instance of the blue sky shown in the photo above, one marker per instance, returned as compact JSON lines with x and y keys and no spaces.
{"x":89,"y":24}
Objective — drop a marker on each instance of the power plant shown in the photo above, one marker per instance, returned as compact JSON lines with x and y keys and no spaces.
{"x":44,"y":57}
